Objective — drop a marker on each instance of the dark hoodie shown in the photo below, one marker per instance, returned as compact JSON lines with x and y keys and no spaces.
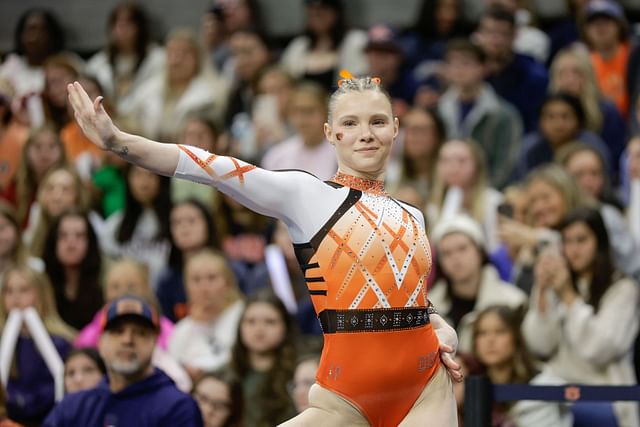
{"x":152,"y":402}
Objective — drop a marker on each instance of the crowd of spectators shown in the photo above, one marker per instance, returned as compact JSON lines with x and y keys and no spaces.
{"x":518,"y":141}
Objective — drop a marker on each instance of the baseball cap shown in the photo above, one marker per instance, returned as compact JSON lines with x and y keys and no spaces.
{"x":459,"y":223}
{"x":129,"y":307}
{"x":383,"y":37}
{"x":608,"y":8}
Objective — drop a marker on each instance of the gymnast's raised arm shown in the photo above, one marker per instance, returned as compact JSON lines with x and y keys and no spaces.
{"x":98,"y":127}
{"x":263,"y":191}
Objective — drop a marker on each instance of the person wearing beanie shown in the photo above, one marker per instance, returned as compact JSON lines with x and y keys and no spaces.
{"x":466,"y":282}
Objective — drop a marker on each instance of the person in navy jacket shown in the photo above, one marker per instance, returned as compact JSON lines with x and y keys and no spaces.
{"x":134,"y":393}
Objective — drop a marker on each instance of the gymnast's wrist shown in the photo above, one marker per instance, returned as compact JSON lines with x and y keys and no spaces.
{"x":431,"y":309}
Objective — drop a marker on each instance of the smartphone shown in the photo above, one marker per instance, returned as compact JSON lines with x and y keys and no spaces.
{"x":548,"y":247}
{"x":505,"y":209}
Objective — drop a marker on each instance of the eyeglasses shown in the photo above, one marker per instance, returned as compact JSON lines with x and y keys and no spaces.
{"x":217,"y":405}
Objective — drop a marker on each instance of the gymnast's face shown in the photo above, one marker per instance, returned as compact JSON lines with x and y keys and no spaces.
{"x":362,"y":130}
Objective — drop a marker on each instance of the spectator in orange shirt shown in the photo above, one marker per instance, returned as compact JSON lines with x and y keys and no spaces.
{"x":84,"y":155}
{"x":605,"y":30}
{"x":13,"y":135}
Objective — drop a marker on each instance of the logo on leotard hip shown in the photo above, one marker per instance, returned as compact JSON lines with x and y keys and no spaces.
{"x":334,"y":372}
{"x":427,"y":362}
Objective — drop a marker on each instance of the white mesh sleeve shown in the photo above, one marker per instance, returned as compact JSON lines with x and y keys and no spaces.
{"x":301,"y":200}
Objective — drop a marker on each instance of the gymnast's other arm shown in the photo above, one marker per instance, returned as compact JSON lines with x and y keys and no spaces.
{"x":448,"y":339}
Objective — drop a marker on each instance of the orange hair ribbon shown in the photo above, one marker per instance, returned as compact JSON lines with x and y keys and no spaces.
{"x":345,"y":75}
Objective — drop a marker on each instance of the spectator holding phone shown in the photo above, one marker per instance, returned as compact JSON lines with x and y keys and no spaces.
{"x":578,"y":305}
{"x":552,"y":193}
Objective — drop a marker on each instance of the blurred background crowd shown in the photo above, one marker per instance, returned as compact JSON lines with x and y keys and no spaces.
{"x":518,"y":142}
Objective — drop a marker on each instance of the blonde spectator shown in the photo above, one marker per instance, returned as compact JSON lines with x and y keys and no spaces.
{"x":185,"y":85}
{"x":588,"y":168}
{"x":61,"y":189}
{"x":552,"y":193}
{"x":30,"y":387}
{"x":42,"y":152}
{"x":202,"y":341}
{"x":461,"y":186}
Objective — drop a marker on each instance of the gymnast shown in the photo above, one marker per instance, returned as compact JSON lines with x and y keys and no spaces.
{"x":388,"y":356}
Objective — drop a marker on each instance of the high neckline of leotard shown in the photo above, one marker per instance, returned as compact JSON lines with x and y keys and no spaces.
{"x":371,"y":186}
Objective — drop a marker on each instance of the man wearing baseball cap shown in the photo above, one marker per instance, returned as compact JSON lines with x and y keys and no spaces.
{"x":133,"y":393}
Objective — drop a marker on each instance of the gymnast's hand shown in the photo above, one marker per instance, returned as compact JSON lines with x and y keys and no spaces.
{"x":448,"y":345}
{"x":91,"y":117}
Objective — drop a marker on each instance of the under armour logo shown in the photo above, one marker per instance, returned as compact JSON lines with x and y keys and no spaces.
{"x":427,"y":362}
{"x":334,"y":372}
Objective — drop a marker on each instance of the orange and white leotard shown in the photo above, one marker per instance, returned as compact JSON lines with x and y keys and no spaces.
{"x":365,"y":258}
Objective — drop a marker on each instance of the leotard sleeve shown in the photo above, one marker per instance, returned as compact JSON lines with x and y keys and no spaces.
{"x":299,"y":199}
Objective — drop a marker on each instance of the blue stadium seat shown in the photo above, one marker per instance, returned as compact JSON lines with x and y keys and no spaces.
{"x":593,"y":414}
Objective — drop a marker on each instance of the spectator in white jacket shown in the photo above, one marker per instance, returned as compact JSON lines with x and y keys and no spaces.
{"x":202,"y":341}
{"x":130,"y":57}
{"x":467,"y":283}
{"x":583,"y":317}
{"x":188,"y":84}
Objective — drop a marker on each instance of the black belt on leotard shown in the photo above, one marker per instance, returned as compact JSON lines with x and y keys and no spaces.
{"x":373,"y":320}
